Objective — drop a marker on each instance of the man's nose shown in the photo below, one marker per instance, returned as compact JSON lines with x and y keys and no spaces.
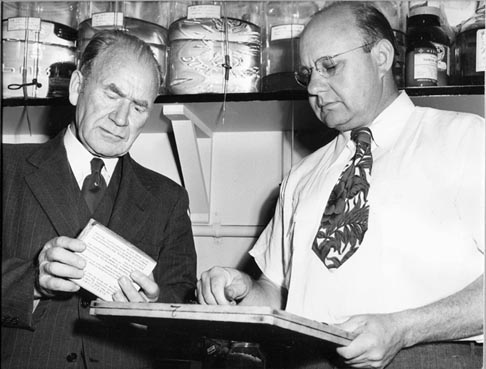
{"x":120,"y":114}
{"x":317,"y":83}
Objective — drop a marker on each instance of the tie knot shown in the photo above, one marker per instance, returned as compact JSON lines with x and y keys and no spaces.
{"x":96,"y":165}
{"x":361,"y":135}
{"x":94,"y":185}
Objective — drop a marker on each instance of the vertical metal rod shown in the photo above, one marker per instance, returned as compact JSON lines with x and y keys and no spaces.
{"x":227,"y":61}
{"x":26,"y":54}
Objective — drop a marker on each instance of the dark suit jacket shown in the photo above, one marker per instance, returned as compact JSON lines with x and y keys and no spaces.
{"x":41,"y":200}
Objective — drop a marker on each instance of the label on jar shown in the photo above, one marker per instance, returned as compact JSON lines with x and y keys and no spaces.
{"x":23,"y":23}
{"x":286,"y":31}
{"x":45,"y":33}
{"x":425,"y":64}
{"x":481,"y":50}
{"x":107,"y":19}
{"x":203,"y":11}
{"x":443,"y":58}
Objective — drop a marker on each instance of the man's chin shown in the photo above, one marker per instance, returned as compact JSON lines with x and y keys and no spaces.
{"x":331,"y":122}
{"x":105,"y":152}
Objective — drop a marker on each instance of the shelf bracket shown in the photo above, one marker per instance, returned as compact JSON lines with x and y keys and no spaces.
{"x":187,"y":128}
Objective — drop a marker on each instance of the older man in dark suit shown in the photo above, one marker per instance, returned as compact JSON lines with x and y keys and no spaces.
{"x":45,"y":315}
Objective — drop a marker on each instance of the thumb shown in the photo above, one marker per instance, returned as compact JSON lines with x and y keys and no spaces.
{"x":238,"y":286}
{"x":353,"y":324}
{"x":230,"y":293}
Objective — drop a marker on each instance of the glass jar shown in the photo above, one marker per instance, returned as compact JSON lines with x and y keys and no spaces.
{"x":145,"y":19}
{"x":423,"y":29}
{"x":215,"y":47}
{"x":421,"y":64}
{"x":470,"y":50}
{"x":245,"y":355}
{"x":284,"y":21}
{"x":38,"y":48}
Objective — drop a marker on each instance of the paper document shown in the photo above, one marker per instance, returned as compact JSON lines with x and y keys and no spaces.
{"x":108,"y":257}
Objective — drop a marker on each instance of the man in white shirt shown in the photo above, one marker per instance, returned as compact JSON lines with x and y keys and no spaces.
{"x":411,"y":275}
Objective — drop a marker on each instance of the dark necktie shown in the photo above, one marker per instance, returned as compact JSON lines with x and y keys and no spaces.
{"x":345,"y":219}
{"x":94,"y":185}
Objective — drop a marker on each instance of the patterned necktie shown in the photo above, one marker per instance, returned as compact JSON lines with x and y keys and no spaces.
{"x":94,"y":185}
{"x":345,"y":219}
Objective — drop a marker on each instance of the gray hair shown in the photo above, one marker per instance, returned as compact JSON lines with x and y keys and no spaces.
{"x":108,"y":40}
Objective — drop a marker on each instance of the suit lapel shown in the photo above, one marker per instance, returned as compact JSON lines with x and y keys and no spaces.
{"x":55,"y":188}
{"x":132,"y":206}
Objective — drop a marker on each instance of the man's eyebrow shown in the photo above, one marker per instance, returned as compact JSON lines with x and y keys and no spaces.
{"x":113,"y":87}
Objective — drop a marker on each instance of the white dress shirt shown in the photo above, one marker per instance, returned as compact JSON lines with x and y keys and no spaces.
{"x":425,"y":237}
{"x":79,"y":159}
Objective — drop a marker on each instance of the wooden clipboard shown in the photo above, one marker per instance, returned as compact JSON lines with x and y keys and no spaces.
{"x":230,"y":322}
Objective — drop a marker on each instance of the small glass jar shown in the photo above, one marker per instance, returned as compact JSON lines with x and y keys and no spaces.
{"x":245,"y":355}
{"x":424,"y":29}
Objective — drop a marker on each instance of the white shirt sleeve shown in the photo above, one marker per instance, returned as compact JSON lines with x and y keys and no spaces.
{"x":272,"y":250}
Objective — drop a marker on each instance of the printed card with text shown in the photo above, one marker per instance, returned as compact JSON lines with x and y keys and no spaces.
{"x":108,"y":257}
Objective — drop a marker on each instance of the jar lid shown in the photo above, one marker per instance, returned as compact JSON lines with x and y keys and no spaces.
{"x":425,"y":10}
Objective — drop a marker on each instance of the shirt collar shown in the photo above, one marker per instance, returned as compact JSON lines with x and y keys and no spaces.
{"x":389,"y":124}
{"x":386,"y":128}
{"x":79,"y":158}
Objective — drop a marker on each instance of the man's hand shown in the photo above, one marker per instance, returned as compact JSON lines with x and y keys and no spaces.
{"x":149,"y":290}
{"x":57,"y":263}
{"x":223,"y":286}
{"x":378,"y":339}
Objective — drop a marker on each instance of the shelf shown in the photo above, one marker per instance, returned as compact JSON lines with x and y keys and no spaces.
{"x":446,"y":90}
{"x":268,"y":96}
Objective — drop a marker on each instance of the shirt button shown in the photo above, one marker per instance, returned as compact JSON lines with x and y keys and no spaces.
{"x":72,"y":357}
{"x":85,"y":303}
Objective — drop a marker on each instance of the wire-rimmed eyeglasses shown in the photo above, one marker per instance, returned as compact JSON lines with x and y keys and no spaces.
{"x":325,"y":65}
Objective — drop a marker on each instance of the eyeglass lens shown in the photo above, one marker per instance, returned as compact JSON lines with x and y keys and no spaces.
{"x":325,"y":67}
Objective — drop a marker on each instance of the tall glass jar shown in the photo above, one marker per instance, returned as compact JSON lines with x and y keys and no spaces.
{"x":470,"y":49}
{"x":284,"y":21}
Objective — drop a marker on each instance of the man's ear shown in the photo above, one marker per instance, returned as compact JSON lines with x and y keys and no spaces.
{"x":384,"y":54}
{"x":75,"y":86}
